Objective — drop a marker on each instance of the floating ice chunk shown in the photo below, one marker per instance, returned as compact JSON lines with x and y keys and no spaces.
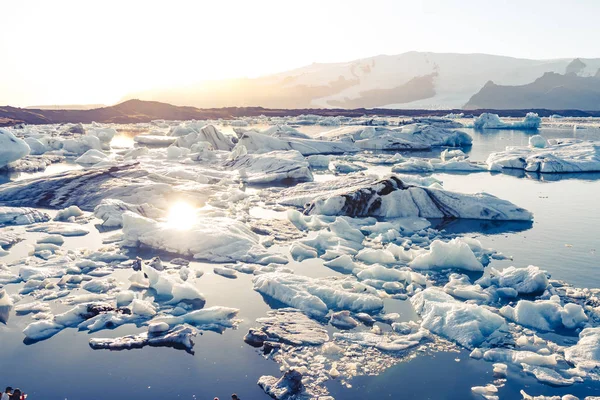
{"x":317,"y":296}
{"x":493,"y":121}
{"x":99,"y":285}
{"x":487,"y":391}
{"x":586,"y":353}
{"x":393,"y":198}
{"x":343,"y":320}
{"x":538,"y":141}
{"x":212,"y":318}
{"x":208,"y":134}
{"x":36,"y":147}
{"x":550,"y":376}
{"x":385,"y":342}
{"x":34,"y":307}
{"x":68,"y":213}
{"x":319,"y":161}
{"x":271,"y":167}
{"x":290,"y":326}
{"x":63,"y":229}
{"x":6,"y":305}
{"x":559,"y":156}
{"x":226,"y":272}
{"x":460,"y":287}
{"x":344,"y":167}
{"x":155,"y":140}
{"x":124,"y":298}
{"x":433,"y":165}
{"x":419,"y":136}
{"x":175,"y":153}
{"x":216,"y":239}
{"x":180,"y":337}
{"x":565,"y":397}
{"x":258,"y":143}
{"x":91,"y":157}
{"x":376,"y":256}
{"x":21,"y":216}
{"x":142,"y":308}
{"x":453,"y":254}
{"x":11,"y":148}
{"x":111,"y":211}
{"x":78,"y":146}
{"x":105,"y":135}
{"x":171,"y":285}
{"x":53,"y":239}
{"x":302,"y":252}
{"x":520,"y":357}
{"x":546,"y":315}
{"x":382,"y":273}
{"x":43,"y":329}
{"x":343,"y":263}
{"x":467,"y":324}
{"x":528,"y":280}
{"x":500,"y":370}
{"x":288,"y":387}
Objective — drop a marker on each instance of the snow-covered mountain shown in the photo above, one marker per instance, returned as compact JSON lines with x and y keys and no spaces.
{"x":409,"y":80}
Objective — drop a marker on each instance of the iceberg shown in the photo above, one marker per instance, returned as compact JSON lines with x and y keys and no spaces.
{"x":492,"y":121}
{"x":559,"y":156}
{"x":290,"y":326}
{"x":453,"y":254}
{"x":271,"y":167}
{"x":545,"y":315}
{"x":180,"y":337}
{"x":111,"y":211}
{"x":317,"y":296}
{"x":258,"y":143}
{"x":585,"y":354}
{"x":208,"y":134}
{"x":21,"y":216}
{"x":215,"y":239}
{"x":11,"y":148}
{"x":392,"y":197}
{"x":469,"y":325}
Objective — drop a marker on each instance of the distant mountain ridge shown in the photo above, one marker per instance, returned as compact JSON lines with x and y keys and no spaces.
{"x":414,"y":80}
{"x":135,"y":111}
{"x":554,"y":91}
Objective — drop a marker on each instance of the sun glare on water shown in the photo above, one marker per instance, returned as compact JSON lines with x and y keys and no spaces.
{"x":182,"y":216}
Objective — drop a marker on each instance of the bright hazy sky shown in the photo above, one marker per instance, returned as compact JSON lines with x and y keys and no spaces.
{"x":86,"y":51}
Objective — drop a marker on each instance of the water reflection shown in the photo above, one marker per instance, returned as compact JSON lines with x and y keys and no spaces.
{"x":488,"y":227}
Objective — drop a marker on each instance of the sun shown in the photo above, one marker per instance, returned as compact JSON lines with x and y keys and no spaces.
{"x":181,"y":216}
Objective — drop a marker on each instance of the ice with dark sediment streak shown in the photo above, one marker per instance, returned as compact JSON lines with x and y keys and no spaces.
{"x":208,"y":134}
{"x":179,"y":337}
{"x":288,"y":387}
{"x":271,"y":167}
{"x":21,"y":216}
{"x":290,"y":326}
{"x":111,"y":211}
{"x":87,"y":188}
{"x":392,"y":197}
{"x":558,"y":156}
{"x":259,"y":143}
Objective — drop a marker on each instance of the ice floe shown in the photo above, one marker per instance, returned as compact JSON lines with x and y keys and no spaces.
{"x":558,"y":156}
